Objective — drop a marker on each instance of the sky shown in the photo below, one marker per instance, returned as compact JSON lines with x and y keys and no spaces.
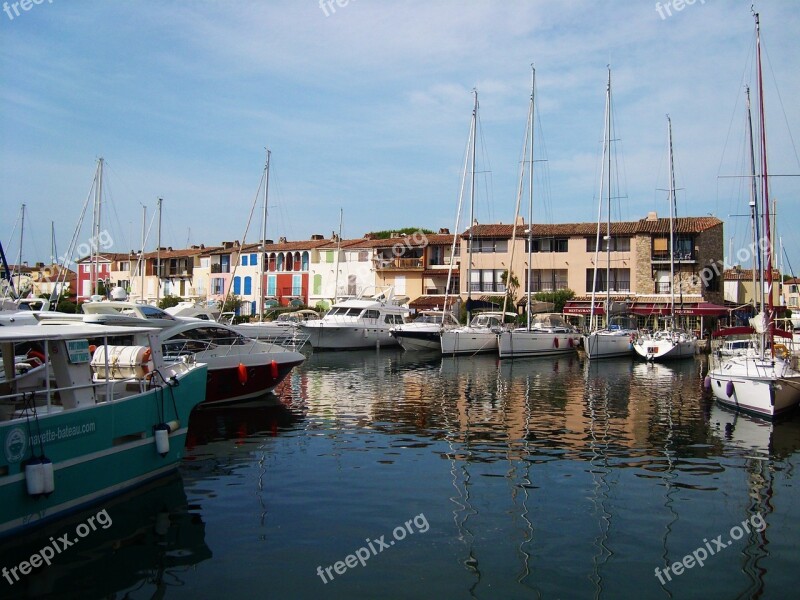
{"x":366,"y":105}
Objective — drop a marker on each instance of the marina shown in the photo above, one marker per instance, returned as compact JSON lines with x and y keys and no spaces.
{"x":558,"y":477}
{"x":319,"y":318}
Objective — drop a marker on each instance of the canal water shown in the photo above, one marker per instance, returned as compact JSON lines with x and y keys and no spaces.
{"x":383,"y":474}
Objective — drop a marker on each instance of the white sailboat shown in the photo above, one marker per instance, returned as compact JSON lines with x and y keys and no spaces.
{"x":617,"y":336}
{"x":549,"y":334}
{"x":672,"y":342}
{"x":481,"y":332}
{"x":765,"y":382}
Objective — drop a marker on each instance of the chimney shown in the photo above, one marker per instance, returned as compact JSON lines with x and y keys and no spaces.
{"x":520,"y":220}
{"x":281,"y":240}
{"x":369,"y":236}
{"x":444,"y":231}
{"x":316,"y":237}
{"x":652,"y":216}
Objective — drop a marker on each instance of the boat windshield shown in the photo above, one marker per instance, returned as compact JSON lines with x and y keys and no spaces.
{"x":429,"y":319}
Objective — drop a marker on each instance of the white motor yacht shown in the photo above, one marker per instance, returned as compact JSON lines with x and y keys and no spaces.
{"x":363,"y":322}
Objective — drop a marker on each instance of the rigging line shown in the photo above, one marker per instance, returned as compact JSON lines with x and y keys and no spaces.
{"x":244,"y":236}
{"x":780,"y":102}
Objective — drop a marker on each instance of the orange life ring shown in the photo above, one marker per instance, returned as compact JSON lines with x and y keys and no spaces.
{"x":241,"y":372}
{"x":146,"y":359}
{"x":37,"y":355}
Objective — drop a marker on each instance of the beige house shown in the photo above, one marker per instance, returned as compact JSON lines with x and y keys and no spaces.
{"x":637,"y":268}
{"x":739,"y":287}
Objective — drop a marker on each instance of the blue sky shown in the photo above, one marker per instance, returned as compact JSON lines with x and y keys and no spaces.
{"x":366,"y":107}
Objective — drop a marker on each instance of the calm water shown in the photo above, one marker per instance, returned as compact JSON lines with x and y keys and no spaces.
{"x":455,"y":478}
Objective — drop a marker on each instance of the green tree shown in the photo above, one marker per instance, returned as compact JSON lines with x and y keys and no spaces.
{"x":386,"y":234}
{"x":169,"y":301}
{"x":559,"y":298}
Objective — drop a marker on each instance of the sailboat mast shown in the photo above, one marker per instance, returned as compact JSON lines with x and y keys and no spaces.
{"x":263,"y":239}
{"x":672,"y":211}
{"x":770,"y":310}
{"x":757,"y":273}
{"x":608,"y":208}
{"x":606,"y":153}
{"x":530,"y":198}
{"x":98,"y":193}
{"x":158,"y":255}
{"x":141,"y":252}
{"x":19,"y":258}
{"x":338,"y":252}
{"x":472,"y":204}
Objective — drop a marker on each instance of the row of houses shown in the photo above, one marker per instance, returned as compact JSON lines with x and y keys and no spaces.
{"x":315,"y":271}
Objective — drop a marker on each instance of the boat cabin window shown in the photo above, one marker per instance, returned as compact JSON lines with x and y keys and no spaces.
{"x":151,"y":312}
{"x":353,"y":312}
{"x":371,"y":314}
{"x":396,"y":319}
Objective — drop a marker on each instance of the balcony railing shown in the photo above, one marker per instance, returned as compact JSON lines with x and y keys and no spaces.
{"x":397,"y":264}
{"x":488,"y":287}
{"x":220,"y":269}
{"x":663,"y":256}
{"x":662,"y":287}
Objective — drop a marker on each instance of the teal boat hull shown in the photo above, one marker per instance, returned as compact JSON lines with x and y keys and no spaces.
{"x":97,"y":451}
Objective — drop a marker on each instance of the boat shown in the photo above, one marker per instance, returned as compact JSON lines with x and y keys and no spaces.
{"x":547,"y":335}
{"x":616,"y":337}
{"x":108,"y":419}
{"x":544,"y":335}
{"x":424,"y":332}
{"x":360,"y":322}
{"x":766,"y":381}
{"x":238,"y":367}
{"x":480,"y":336}
{"x":672,"y":342}
{"x":481,"y":332}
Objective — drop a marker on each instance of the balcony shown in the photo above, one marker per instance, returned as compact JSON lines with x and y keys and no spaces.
{"x":175,"y":272}
{"x":398,"y":264}
{"x":497,"y":288}
{"x":662,"y":256}
{"x":220,"y":269}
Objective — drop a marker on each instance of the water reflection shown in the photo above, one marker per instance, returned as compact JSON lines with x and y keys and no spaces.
{"x":153,"y":541}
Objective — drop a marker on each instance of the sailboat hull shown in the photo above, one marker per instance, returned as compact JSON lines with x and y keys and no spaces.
{"x":468,"y":342}
{"x":760,"y":387}
{"x":520,"y":343}
{"x":608,"y":344}
{"x":665,"y":348}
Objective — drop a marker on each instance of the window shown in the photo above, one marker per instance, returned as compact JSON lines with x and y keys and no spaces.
{"x":371,"y":314}
{"x":328,"y":256}
{"x":244,"y":260}
{"x":297,"y":285}
{"x":253,"y":259}
{"x":271,"y":285}
{"x":792,"y":300}
{"x":217,"y":286}
{"x":548,"y":245}
{"x":237,"y":285}
{"x":363,"y":255}
{"x":487,"y":280}
{"x":248,"y":289}
{"x":305,"y":261}
{"x":620,"y":280}
{"x":317,"y":285}
{"x":124,"y":266}
{"x":489,"y":245}
{"x":547,"y":280}
{"x":618,"y":244}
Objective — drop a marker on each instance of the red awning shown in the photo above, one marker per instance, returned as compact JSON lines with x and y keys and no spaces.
{"x":733,"y":331}
{"x":583,"y":307}
{"x":698,"y":309}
